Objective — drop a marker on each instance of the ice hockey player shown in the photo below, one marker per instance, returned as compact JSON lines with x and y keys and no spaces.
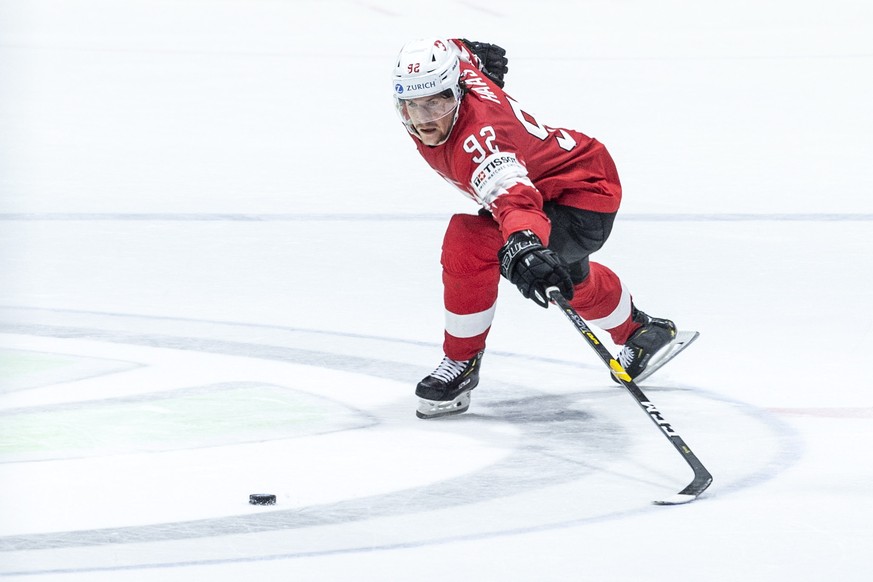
{"x":548,"y":197}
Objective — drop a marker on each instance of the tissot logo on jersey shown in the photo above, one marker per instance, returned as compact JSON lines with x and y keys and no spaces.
{"x":491,"y":167}
{"x":495,"y":175}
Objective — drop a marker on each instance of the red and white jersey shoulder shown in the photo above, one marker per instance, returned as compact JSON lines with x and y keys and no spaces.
{"x":506,"y":160}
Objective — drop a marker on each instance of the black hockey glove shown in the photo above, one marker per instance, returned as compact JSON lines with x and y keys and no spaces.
{"x":533,"y":268}
{"x":493,"y":58}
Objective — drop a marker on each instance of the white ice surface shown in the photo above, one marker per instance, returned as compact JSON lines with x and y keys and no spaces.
{"x":219,"y":275}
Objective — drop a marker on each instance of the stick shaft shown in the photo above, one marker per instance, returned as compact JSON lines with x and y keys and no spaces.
{"x":702,"y":477}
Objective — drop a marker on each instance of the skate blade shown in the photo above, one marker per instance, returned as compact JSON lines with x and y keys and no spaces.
{"x":438,"y":408}
{"x":682,"y":340}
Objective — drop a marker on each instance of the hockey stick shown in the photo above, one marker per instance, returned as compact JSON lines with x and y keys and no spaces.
{"x":702,"y":477}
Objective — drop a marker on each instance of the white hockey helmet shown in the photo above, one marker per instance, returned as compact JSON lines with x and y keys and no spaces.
{"x":427,"y":67}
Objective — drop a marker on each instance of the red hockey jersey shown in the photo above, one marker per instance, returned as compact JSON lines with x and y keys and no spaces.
{"x":508,"y":162}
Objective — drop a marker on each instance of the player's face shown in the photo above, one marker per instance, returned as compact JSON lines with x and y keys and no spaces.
{"x":431,"y":117}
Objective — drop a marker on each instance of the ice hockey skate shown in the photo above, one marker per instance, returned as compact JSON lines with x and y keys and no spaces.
{"x":447,"y":389}
{"x":652,"y":345}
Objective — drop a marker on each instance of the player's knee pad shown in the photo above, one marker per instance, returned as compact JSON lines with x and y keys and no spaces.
{"x":471,"y":243}
{"x":579,"y":271}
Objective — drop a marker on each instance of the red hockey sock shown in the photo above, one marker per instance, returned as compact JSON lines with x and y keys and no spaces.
{"x":602,"y":300}
{"x":471,"y":275}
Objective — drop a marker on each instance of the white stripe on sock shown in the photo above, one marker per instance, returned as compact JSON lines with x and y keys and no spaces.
{"x":469,"y":325}
{"x":619,"y":315}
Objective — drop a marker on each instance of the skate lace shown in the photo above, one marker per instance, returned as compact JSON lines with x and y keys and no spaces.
{"x":625,"y":357}
{"x":449,"y":369}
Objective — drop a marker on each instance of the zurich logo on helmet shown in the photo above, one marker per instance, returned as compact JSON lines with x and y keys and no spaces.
{"x":398,"y":88}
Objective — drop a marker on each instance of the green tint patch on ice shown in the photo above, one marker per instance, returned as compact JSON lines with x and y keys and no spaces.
{"x":22,"y":369}
{"x":15,"y":363}
{"x":180,"y":419}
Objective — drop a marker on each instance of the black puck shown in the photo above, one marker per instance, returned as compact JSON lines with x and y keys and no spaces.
{"x":262,"y":499}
